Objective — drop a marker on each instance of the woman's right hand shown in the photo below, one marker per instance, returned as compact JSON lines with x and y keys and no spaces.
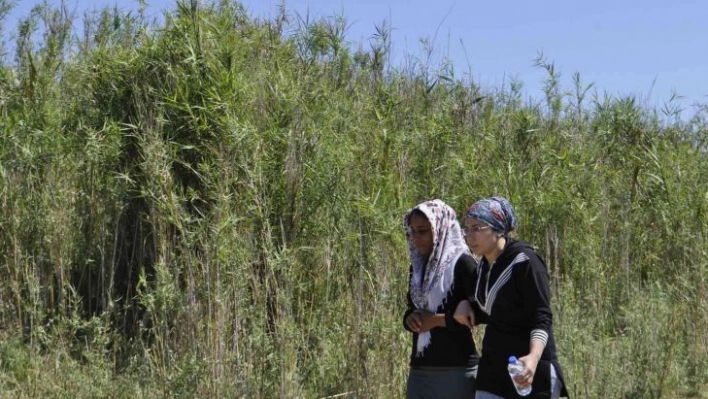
{"x":414,"y":321}
{"x":464,"y":314}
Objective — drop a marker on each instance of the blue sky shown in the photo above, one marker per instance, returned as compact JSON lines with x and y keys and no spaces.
{"x":651,"y":49}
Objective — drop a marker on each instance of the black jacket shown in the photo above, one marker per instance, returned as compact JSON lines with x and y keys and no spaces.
{"x":513,"y":298}
{"x":452,"y":345}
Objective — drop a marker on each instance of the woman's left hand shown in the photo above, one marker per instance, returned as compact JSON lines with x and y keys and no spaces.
{"x":530,"y":362}
{"x":464,"y":314}
{"x":428,"y":320}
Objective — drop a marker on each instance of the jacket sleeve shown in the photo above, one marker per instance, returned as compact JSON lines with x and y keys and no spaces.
{"x":465,"y":269}
{"x":537,"y":297}
{"x":410,"y":307}
{"x":479,"y":316}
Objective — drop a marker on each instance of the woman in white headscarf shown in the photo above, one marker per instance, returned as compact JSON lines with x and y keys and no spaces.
{"x":443,"y":360}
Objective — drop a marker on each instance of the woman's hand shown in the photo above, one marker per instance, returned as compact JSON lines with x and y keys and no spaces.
{"x":464,"y":314}
{"x":430,"y":320}
{"x":414,"y":321}
{"x":530,"y":362}
{"x":422,"y":320}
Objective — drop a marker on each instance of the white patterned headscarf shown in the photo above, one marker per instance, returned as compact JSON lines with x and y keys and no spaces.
{"x":433,"y":276}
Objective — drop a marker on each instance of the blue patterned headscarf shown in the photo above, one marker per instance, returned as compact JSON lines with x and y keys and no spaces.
{"x":497,"y":212}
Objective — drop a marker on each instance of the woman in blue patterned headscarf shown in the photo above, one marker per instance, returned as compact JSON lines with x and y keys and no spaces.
{"x":512,"y":297}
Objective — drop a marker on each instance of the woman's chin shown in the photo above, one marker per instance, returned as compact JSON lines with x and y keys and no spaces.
{"x":424,"y":254}
{"x":476,"y":252}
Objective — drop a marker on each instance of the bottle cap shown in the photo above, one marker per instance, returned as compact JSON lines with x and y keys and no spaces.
{"x":512,"y":359}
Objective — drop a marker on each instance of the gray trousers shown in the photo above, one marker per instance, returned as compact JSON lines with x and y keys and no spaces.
{"x":441,"y":383}
{"x":555,"y":388}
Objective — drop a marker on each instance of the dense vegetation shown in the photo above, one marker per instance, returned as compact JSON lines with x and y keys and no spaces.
{"x":210,"y":205}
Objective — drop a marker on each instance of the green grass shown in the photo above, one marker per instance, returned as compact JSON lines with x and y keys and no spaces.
{"x":211,"y":206}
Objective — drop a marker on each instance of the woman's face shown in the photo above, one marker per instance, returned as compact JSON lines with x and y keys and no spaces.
{"x":480,"y":237}
{"x":421,"y":234}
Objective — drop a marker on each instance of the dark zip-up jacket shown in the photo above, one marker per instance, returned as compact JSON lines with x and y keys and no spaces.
{"x":512,"y":297}
{"x":452,"y":345}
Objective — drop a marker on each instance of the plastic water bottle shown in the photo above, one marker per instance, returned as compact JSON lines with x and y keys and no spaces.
{"x":515,"y":367}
